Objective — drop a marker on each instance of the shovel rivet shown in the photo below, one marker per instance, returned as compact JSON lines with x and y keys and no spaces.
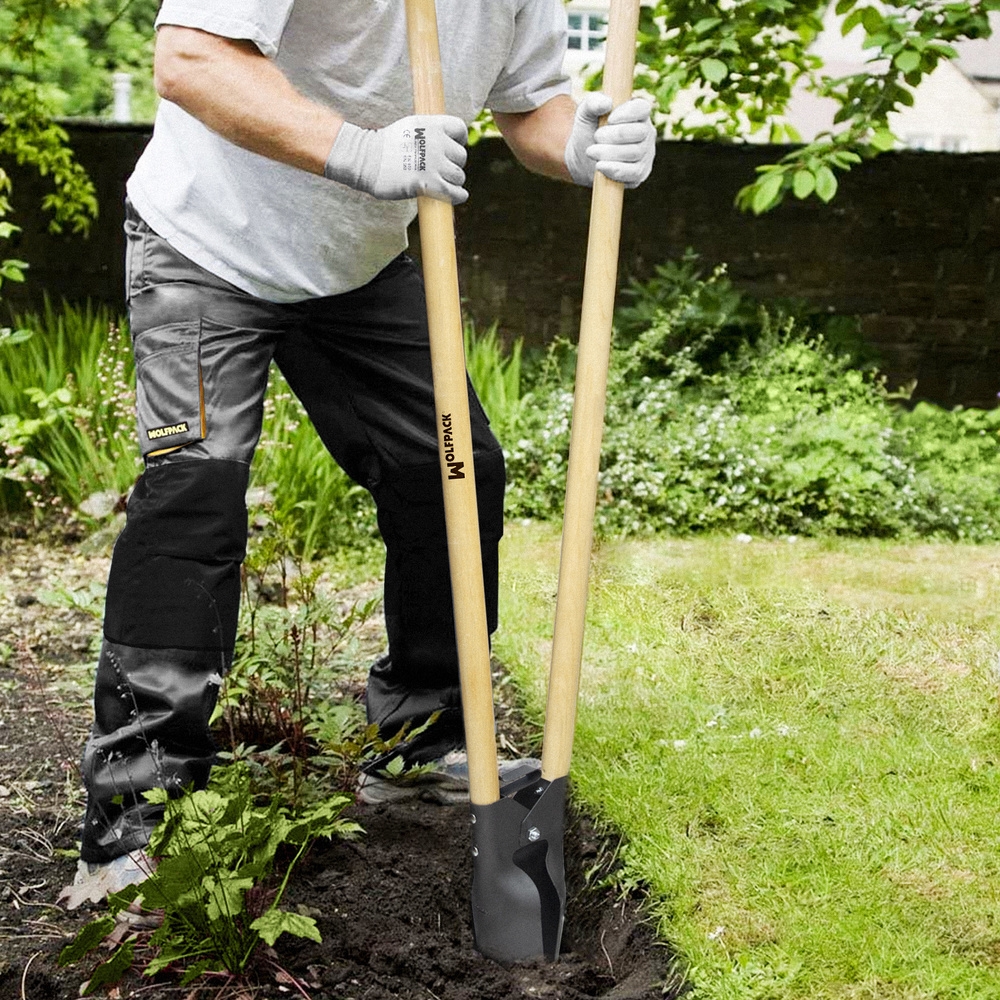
{"x":473,"y":819}
{"x":475,"y":852}
{"x":534,"y":833}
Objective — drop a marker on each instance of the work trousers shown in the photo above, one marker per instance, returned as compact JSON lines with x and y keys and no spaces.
{"x":360,"y":364}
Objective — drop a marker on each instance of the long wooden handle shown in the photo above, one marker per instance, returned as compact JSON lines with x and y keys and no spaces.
{"x":451,"y":402}
{"x":599,"y":286}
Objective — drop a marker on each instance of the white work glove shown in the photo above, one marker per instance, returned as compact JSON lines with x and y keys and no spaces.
{"x":622,"y":150}
{"x":417,"y":155}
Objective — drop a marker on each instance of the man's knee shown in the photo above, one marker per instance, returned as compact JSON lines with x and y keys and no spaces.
{"x":175,"y":574}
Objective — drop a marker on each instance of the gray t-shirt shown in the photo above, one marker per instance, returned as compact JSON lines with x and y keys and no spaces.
{"x":281,"y":233}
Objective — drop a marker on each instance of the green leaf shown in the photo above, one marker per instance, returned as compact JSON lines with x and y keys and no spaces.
{"x":706,"y":24}
{"x":713,"y":70}
{"x":395,"y":767}
{"x":274,"y":923}
{"x":226,"y":897}
{"x":766,"y":192}
{"x":883,"y":140}
{"x":851,"y":21}
{"x":871,"y":19}
{"x":804,"y":183}
{"x":826,"y":183}
{"x":88,"y":938}
{"x":907,"y":61}
{"x":108,"y":973}
{"x":16,"y":336}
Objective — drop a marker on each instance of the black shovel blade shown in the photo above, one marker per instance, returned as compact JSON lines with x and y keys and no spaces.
{"x":518,"y":872}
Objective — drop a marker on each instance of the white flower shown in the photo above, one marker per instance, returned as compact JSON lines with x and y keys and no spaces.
{"x":680,"y":745}
{"x":756,"y":734}
{"x":716,"y":934}
{"x":744,"y":539}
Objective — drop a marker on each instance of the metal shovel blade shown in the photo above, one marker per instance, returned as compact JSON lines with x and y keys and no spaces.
{"x":518,"y":873}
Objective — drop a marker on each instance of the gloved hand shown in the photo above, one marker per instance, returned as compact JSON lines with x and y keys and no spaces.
{"x":622,"y":150}
{"x":416,"y":155}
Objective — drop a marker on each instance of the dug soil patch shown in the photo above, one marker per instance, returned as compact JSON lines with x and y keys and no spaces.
{"x":393,"y":906}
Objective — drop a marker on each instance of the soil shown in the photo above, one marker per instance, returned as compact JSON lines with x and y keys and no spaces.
{"x":392,"y":907}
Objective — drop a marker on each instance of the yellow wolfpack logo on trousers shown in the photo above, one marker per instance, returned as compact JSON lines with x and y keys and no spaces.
{"x":155,"y":433}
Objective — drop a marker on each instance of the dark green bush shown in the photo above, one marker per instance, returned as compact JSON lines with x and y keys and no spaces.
{"x":779,"y":433}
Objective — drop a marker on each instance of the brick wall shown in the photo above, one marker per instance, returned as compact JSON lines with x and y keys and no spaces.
{"x":911,"y":243}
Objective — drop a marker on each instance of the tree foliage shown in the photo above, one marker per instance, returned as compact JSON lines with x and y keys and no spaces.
{"x":28,"y":134}
{"x":742,"y":58}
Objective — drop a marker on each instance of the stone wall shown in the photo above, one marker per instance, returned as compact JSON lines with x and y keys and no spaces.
{"x":911,"y":243}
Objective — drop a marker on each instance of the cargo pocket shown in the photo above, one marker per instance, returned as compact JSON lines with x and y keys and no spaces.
{"x":170,"y":393}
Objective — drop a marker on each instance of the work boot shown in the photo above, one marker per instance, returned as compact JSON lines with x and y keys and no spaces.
{"x":444,"y":781}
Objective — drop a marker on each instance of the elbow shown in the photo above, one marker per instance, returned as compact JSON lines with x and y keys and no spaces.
{"x":176,"y":61}
{"x":166,"y":79}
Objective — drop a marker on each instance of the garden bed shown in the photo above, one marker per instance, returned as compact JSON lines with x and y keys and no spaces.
{"x":392,"y":907}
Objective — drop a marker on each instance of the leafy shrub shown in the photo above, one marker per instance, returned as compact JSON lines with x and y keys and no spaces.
{"x":717,"y":318}
{"x":778,"y":434}
{"x":215,"y":882}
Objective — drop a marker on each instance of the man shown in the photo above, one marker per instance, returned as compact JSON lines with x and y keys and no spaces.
{"x":267,"y":220}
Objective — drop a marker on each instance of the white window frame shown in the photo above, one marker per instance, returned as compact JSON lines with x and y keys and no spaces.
{"x":590,"y":37}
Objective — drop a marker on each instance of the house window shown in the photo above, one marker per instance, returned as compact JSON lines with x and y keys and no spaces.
{"x":587,"y":30}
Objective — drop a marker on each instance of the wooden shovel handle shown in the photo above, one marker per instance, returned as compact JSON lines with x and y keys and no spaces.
{"x":451,"y":402}
{"x":599,"y":286}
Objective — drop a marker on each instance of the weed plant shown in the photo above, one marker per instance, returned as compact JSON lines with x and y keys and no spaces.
{"x":296,"y":646}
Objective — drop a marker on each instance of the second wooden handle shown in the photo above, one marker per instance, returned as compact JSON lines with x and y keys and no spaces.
{"x":599,"y":286}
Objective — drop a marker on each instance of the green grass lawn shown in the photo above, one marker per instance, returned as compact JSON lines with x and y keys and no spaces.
{"x":800,"y":743}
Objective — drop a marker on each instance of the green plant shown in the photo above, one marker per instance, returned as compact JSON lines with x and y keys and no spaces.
{"x":78,"y":49}
{"x":737,"y":63}
{"x":223,"y":864}
{"x":75,"y":370}
{"x":28,"y":135}
{"x":294,"y":639}
{"x":776,"y":433}
{"x":18,"y":434}
{"x":496,"y":375}
{"x":718,"y":318}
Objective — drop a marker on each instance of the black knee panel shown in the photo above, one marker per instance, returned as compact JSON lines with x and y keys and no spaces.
{"x":175,"y":573}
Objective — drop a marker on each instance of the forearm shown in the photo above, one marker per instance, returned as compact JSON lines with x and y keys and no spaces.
{"x":240,"y":94}
{"x":538,"y":138}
